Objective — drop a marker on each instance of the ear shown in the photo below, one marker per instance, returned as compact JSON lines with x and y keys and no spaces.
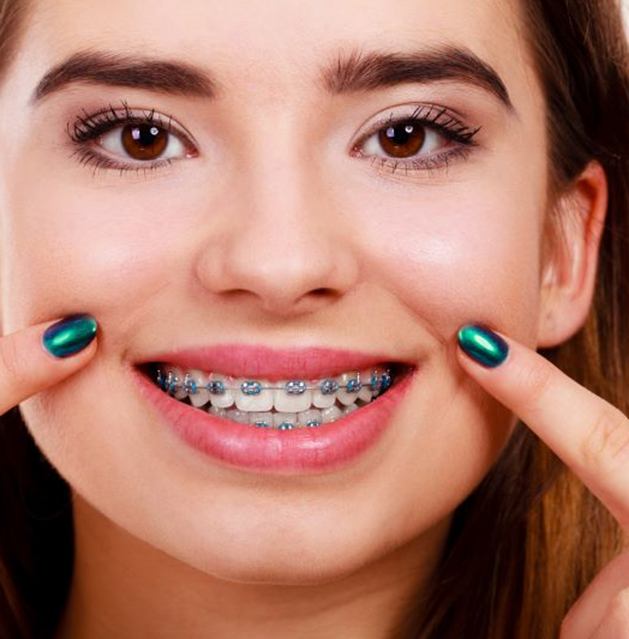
{"x":570,"y":265}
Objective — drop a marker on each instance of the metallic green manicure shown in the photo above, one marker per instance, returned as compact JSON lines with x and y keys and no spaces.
{"x":483,"y":345}
{"x":70,"y":335}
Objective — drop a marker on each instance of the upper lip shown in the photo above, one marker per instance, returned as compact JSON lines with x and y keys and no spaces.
{"x":242,"y":360}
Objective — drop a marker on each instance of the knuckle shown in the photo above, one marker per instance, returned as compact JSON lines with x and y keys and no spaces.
{"x":10,"y":360}
{"x":606,"y":444}
{"x":536,"y":380}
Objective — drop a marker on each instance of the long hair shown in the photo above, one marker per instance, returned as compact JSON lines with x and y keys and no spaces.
{"x":530,"y":537}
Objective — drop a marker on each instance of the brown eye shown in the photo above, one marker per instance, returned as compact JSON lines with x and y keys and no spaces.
{"x":402,"y":139}
{"x":144,"y":141}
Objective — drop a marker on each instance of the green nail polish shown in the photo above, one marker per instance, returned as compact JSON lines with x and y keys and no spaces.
{"x":483,"y":345}
{"x":70,"y":335}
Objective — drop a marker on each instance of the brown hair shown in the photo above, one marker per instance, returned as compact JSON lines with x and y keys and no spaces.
{"x":529,"y":539}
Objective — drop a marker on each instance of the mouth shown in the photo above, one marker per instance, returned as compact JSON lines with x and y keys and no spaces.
{"x":281,"y":404}
{"x":278,"y":411}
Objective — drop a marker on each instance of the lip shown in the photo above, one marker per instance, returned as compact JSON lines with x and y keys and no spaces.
{"x":240,"y":360}
{"x":301,"y":451}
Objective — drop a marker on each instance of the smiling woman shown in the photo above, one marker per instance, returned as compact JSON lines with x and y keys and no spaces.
{"x":260,"y":415}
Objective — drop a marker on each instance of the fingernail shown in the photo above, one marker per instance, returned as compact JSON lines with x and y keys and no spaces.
{"x":483,"y":345}
{"x":70,"y":335}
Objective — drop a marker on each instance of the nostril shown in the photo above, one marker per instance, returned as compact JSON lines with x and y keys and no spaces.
{"x":323,"y":292}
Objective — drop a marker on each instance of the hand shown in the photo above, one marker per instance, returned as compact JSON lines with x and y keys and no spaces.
{"x":590,"y":435}
{"x":26,"y":367}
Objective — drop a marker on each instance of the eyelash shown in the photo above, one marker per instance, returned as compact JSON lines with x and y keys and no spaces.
{"x":430,"y":116}
{"x":87,"y":128}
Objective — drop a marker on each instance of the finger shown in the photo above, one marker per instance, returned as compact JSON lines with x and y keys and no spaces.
{"x":602,"y":603}
{"x":40,"y":356}
{"x":586,"y":432}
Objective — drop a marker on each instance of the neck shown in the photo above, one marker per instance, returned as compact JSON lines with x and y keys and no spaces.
{"x":123,"y":587}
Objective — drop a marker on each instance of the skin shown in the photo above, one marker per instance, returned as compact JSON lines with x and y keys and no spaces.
{"x":277,"y":236}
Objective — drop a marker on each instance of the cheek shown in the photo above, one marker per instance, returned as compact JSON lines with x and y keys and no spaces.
{"x":458,"y":257}
{"x":68,"y":248}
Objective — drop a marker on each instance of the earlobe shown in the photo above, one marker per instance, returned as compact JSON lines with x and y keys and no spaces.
{"x":569,"y":273}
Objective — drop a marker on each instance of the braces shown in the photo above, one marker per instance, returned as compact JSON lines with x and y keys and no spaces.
{"x":377,"y":383}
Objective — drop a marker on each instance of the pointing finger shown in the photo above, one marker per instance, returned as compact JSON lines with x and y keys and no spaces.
{"x":40,"y":356}
{"x":590,"y":435}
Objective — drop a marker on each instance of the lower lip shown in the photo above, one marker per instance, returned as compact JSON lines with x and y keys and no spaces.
{"x":301,"y":451}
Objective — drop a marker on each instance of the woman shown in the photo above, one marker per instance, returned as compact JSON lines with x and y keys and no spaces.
{"x":322,"y":242}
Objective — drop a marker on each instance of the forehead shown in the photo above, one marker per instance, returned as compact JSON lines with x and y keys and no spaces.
{"x":274,"y":42}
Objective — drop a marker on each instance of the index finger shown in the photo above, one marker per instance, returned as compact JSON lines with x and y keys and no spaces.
{"x":587,"y":433}
{"x":39,"y":356}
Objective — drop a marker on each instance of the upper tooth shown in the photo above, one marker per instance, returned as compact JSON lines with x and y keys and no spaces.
{"x":177,"y":377}
{"x":343,"y":395}
{"x":321,"y":399}
{"x":290,"y":397}
{"x":365,"y":393}
{"x":224,"y":399}
{"x":202,"y":396}
{"x":263,"y":401}
{"x":284,"y":396}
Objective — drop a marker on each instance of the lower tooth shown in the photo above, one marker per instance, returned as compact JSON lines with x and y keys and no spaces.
{"x":330,"y":414}
{"x":261,"y":418}
{"x":287,"y":421}
{"x":240,"y":416}
{"x":284,"y":418}
{"x":307,"y":416}
{"x":219,"y":412}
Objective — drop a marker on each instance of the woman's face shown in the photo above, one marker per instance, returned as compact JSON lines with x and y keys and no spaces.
{"x":268,"y":227}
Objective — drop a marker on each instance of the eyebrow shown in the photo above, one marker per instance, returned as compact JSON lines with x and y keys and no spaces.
{"x":353,"y":72}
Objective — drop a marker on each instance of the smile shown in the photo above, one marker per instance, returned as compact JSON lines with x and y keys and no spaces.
{"x":283,"y":404}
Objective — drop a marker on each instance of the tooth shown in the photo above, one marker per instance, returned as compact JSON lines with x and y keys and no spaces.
{"x":365,"y":392}
{"x":224,"y":399}
{"x":330,"y":414}
{"x":308,"y":416}
{"x":343,"y":395}
{"x":180,"y":393}
{"x":202,"y":396}
{"x":219,"y":412}
{"x":321,"y":400}
{"x":350,"y":409}
{"x":291,"y":402}
{"x":263,"y":401}
{"x":279,"y":418}
{"x":239,"y":416}
{"x":261,"y":417}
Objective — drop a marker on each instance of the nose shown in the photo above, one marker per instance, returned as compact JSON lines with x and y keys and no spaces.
{"x":281,"y":246}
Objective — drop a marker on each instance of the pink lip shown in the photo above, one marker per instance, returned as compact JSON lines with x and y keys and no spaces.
{"x":239,"y":360}
{"x":299,"y":451}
